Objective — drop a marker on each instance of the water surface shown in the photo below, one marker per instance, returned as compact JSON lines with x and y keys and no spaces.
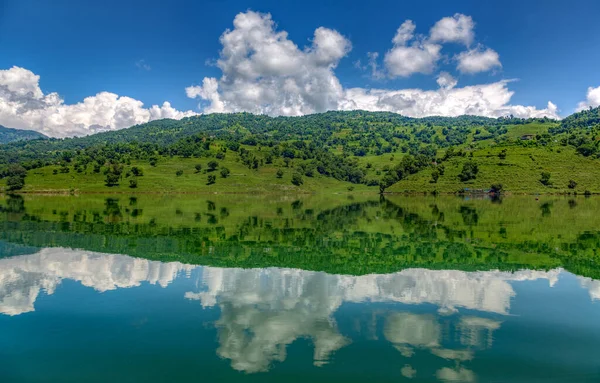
{"x":138,"y":288}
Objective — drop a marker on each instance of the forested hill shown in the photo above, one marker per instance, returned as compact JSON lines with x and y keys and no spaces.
{"x":356,"y":126}
{"x":8,"y":135}
{"x":381,"y":150}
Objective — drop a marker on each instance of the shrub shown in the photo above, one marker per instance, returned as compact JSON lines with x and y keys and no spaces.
{"x":15,"y":183}
{"x":435,"y":175}
{"x":496,"y":188}
{"x":279,"y":173}
{"x":198,"y":168}
{"x":545,"y":179}
{"x":220,"y":156}
{"x":179,"y":172}
{"x":297,"y":179}
{"x":133,"y":183}
{"x":469,"y":171}
{"x":213,"y":165}
{"x":212,"y":179}
{"x":138,"y":172}
{"x":572,"y":184}
{"x":224,"y":172}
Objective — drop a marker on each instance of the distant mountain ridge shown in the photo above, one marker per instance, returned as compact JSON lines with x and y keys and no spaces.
{"x":8,"y":135}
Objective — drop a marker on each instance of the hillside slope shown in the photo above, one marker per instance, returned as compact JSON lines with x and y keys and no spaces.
{"x":342,"y":151}
{"x":8,"y":135}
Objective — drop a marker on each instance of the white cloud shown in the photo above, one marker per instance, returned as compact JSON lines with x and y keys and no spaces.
{"x":455,"y":29}
{"x":142,"y":65}
{"x":592,"y":99}
{"x":446,"y":81}
{"x":23,"y":105}
{"x":404,"y":61}
{"x":404,"y":33}
{"x":264,"y":72}
{"x":478,"y":60}
{"x":491,"y":100}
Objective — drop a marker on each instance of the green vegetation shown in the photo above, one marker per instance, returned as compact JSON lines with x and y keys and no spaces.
{"x":355,"y":235}
{"x":11,"y":135}
{"x":373,"y":151}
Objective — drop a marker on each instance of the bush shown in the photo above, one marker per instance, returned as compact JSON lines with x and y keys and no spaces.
{"x":220,"y":156}
{"x":435,"y":175}
{"x":213,"y":165}
{"x":133,"y":183}
{"x":545,"y":179}
{"x":279,"y":173}
{"x":15,"y":183}
{"x":496,"y":188}
{"x":297,"y":179}
{"x":469,"y":171}
{"x":572,"y":184}
{"x":211,"y":179}
{"x":224,"y":172}
{"x":198,"y":168}
{"x":502,"y":154}
{"x":179,"y":172}
{"x":138,"y":172}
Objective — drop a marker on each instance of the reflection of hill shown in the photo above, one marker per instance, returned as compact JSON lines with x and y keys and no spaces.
{"x":355,"y":238}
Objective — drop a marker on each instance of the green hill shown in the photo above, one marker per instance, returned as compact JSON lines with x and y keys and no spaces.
{"x":8,"y":135}
{"x":333,"y":151}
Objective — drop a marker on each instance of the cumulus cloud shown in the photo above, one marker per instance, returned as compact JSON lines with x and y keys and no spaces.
{"x":592,"y":99}
{"x":24,"y":105}
{"x":478,"y":60}
{"x":446,"y":81}
{"x":421,"y":57}
{"x":490,"y":100}
{"x":404,"y":33}
{"x":455,"y":29}
{"x":264,"y":72}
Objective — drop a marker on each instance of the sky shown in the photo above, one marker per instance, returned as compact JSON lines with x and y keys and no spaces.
{"x":71,"y":68}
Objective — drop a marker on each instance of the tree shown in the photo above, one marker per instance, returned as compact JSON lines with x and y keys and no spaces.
{"x":496,"y":188}
{"x":435,"y":175}
{"x":198,"y":167}
{"x":15,"y":183}
{"x":113,"y":174}
{"x":545,"y":179}
{"x":213,"y":165}
{"x":220,"y":156}
{"x":224,"y":172}
{"x":572,"y":184}
{"x":502,"y":154}
{"x":211,"y":179}
{"x":138,"y":172}
{"x":279,"y":173}
{"x":469,"y":171}
{"x":297,"y":179}
{"x":133,"y":183}
{"x":111,"y":179}
{"x":179,"y":172}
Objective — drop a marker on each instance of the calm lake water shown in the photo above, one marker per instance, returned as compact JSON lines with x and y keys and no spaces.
{"x":278,"y":288}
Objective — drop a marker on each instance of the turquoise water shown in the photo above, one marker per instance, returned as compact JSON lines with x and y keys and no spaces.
{"x":241,"y":289}
{"x":73,"y":315}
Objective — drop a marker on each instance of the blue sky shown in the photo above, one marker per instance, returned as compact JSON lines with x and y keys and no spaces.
{"x":152,"y":51}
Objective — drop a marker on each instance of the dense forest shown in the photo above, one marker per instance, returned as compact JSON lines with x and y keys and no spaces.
{"x":10,"y":135}
{"x":374,"y":149}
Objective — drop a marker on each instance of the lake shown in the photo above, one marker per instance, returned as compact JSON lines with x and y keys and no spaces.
{"x":131,"y":288}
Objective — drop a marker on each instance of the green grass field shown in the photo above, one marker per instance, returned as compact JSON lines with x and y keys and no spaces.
{"x":163,"y":179}
{"x":519,"y":172}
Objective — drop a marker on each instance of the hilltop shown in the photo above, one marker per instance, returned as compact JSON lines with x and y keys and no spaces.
{"x":354,"y":151}
{"x":8,"y":135}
